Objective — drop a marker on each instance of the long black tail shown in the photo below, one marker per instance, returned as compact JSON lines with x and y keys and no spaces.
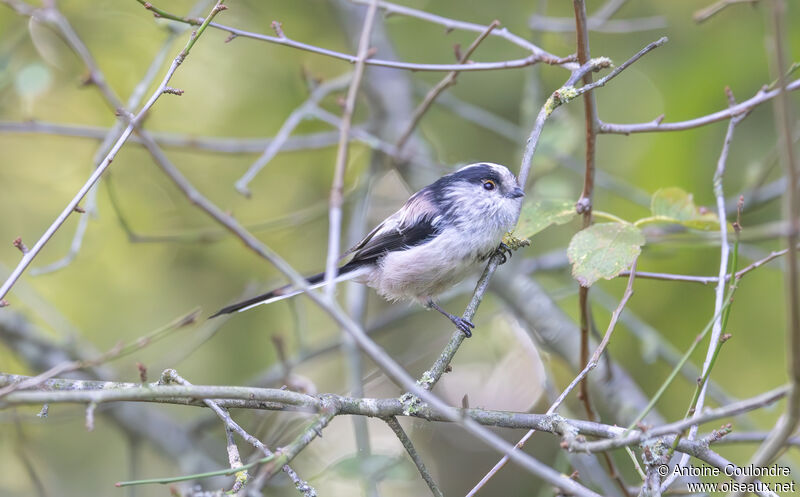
{"x":345,"y":272}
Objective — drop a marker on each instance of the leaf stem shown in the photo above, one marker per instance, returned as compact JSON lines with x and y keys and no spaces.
{"x":610,"y":217}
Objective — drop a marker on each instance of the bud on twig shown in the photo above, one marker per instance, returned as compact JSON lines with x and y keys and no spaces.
{"x":278,"y":28}
{"x":20,"y":245}
{"x":172,"y":91}
{"x":142,"y":372}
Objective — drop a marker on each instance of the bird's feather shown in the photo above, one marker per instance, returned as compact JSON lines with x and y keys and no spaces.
{"x":345,"y":273}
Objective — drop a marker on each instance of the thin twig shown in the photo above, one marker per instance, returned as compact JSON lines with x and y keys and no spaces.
{"x":557,"y":403}
{"x":235,"y":461}
{"x":585,"y":202}
{"x":412,"y":452}
{"x":709,"y":415}
{"x":710,"y":279}
{"x":172,"y":376}
{"x":783,"y":121}
{"x":115,"y":352}
{"x":135,"y":99}
{"x":534,"y":58}
{"x":600,"y":21}
{"x":291,"y":122}
{"x":223,"y":145}
{"x":356,"y":302}
{"x":717,"y":329}
{"x":446,"y":82}
{"x":707,"y":13}
{"x":728,"y":113}
{"x":69,"y":209}
{"x":451,"y":24}
{"x":584,"y":205}
{"x":342,"y":153}
{"x":371,"y":140}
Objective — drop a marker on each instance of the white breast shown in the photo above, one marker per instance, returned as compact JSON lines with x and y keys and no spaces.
{"x":427,"y":270}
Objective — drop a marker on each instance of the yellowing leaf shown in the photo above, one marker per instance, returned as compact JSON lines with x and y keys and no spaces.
{"x":676,"y":205}
{"x":603,"y":251}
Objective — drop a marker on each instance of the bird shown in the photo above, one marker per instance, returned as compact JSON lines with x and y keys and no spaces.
{"x":441,"y":234}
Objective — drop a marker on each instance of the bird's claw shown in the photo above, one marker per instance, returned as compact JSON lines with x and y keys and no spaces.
{"x":463,"y":325}
{"x":505,"y":253}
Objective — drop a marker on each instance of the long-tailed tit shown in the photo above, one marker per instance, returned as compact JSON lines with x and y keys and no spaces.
{"x":441,"y":234}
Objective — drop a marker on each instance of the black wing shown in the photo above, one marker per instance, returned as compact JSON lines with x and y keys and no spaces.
{"x":391,"y":239}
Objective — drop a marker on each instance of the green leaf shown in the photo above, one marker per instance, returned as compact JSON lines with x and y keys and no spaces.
{"x":538,"y":215}
{"x":603,"y":251}
{"x":675,"y":205}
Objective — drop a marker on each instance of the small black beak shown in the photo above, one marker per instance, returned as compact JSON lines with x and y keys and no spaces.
{"x":516,"y":193}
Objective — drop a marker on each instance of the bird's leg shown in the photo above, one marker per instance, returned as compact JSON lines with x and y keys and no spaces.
{"x":461,"y":323}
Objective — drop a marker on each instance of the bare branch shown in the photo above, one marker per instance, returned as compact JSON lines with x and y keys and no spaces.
{"x":658,"y":124}
{"x":451,"y":24}
{"x":138,"y":93}
{"x":291,"y":122}
{"x":342,"y":153}
{"x":591,"y":365}
{"x":412,"y":452}
{"x":716,"y":331}
{"x":535,"y":57}
{"x":59,"y":390}
{"x":441,"y":86}
{"x":707,"y":13}
{"x":235,"y":461}
{"x":224,"y":145}
{"x":783,"y":120}
{"x":600,"y":21}
{"x":115,"y":352}
{"x":584,"y":204}
{"x":172,"y":376}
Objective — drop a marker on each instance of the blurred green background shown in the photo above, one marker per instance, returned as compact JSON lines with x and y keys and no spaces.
{"x":116,"y":290}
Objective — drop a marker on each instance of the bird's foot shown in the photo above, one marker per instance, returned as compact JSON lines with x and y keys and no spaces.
{"x":504,"y":252}
{"x":463,"y":325}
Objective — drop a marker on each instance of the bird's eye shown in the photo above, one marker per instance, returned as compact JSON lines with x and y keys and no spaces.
{"x":489,"y":185}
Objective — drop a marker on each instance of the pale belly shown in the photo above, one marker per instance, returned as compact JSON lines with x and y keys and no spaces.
{"x":427,"y":270}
